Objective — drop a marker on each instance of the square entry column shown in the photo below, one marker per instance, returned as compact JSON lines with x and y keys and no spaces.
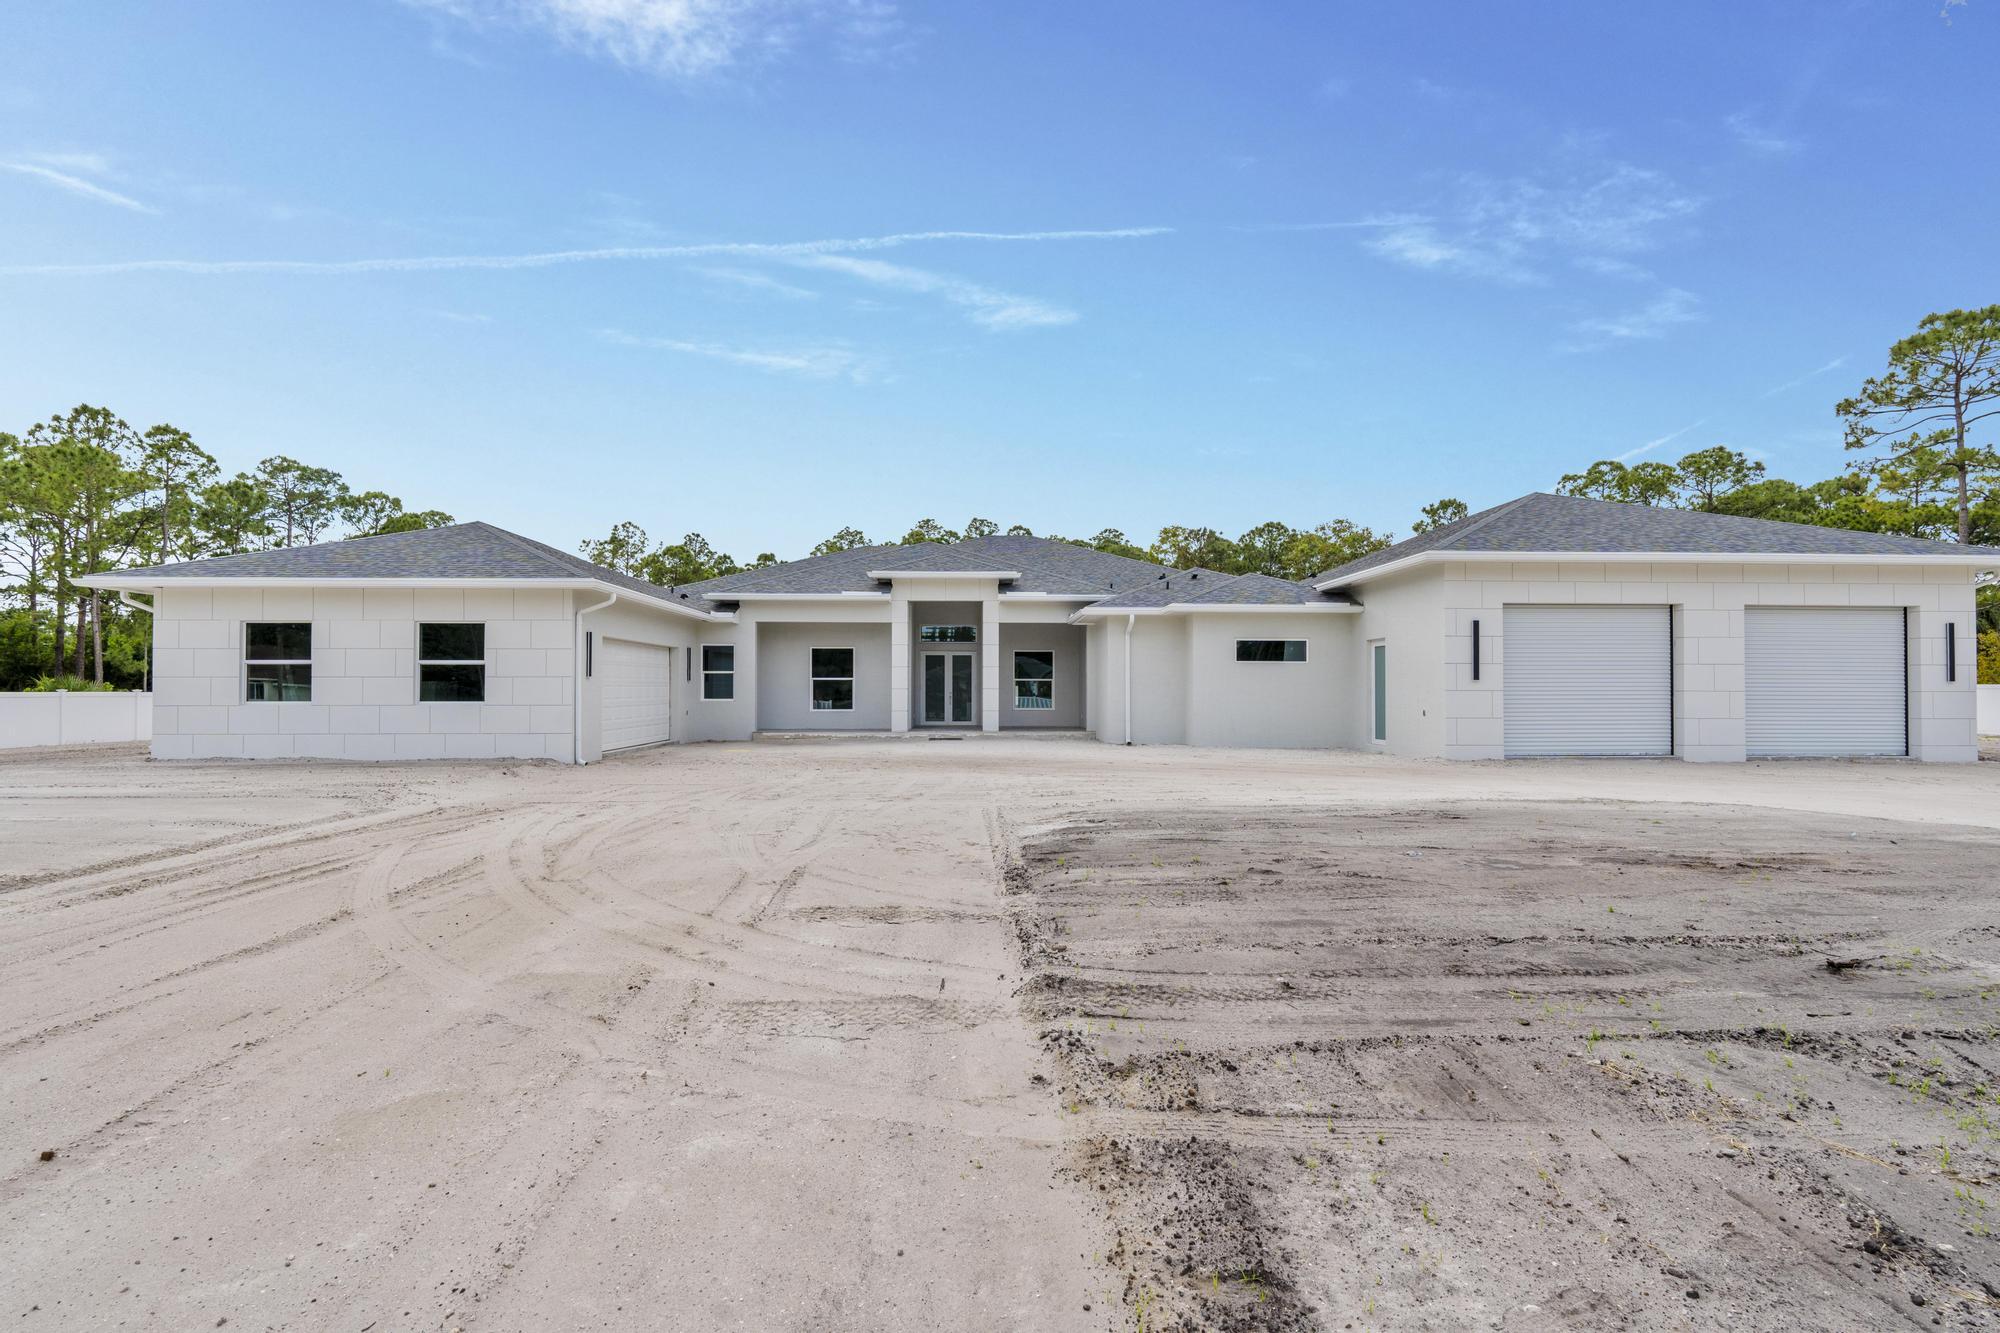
{"x":989,"y":662}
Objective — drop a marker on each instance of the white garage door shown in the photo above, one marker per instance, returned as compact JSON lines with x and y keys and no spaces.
{"x":1824,"y":680}
{"x":1588,"y":680}
{"x":636,"y":681}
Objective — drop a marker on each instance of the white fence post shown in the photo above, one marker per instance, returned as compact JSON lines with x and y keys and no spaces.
{"x":1989,"y":710}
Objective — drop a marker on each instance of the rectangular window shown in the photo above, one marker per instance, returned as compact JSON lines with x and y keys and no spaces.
{"x":277,"y":662}
{"x":1270,"y":650}
{"x":1379,"y":656}
{"x":833,"y":680}
{"x":948,"y":633}
{"x":718,"y":671}
{"x":1035,"y":679}
{"x":451,"y":663}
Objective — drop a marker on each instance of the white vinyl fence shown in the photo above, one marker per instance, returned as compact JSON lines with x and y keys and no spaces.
{"x":58,"y":717}
{"x":1989,"y":710}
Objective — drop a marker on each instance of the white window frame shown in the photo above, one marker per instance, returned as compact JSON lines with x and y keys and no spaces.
{"x":925,"y":638}
{"x":479,"y":661}
{"x":243,"y":638}
{"x":1039,"y":705}
{"x":731,"y":673}
{"x":1305,"y":647}
{"x":853,"y":665}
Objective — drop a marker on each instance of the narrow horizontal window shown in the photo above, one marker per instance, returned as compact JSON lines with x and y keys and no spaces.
{"x":451,"y":662}
{"x":718,"y":671}
{"x":277,"y":662}
{"x":1035,"y":679}
{"x":1270,"y":650}
{"x":832,"y":680}
{"x":948,"y":633}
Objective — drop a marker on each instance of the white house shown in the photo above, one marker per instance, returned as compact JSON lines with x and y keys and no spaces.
{"x":1545,"y":626}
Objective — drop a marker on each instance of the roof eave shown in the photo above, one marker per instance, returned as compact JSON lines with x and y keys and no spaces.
{"x":136,"y":582}
{"x":1942,"y":558}
{"x":1240,"y":608}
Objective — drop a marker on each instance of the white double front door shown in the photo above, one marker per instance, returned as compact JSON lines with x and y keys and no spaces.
{"x":947,"y":688}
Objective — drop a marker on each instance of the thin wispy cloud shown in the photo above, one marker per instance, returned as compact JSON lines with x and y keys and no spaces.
{"x":1812,"y":374}
{"x":984,"y":305}
{"x":690,"y":39}
{"x":824,"y":362}
{"x":1352,"y":224}
{"x":1668,"y":310}
{"x":1662,"y":441}
{"x":1604,"y":266}
{"x":77,"y":185}
{"x":1757,"y":136}
{"x":1511,"y":229}
{"x":757,"y":282}
{"x":784,"y":250}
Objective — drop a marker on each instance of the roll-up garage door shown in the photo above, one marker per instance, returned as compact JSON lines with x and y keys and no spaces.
{"x":636,"y":680}
{"x":1588,"y":680}
{"x":1824,"y":680}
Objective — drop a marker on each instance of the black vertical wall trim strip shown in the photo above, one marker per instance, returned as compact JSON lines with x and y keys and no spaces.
{"x":586,"y":653}
{"x":1951,"y":650}
{"x":1475,"y":650}
{"x":1673,"y":740}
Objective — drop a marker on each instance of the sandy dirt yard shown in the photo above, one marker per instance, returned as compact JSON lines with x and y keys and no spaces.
{"x":997,"y":1034}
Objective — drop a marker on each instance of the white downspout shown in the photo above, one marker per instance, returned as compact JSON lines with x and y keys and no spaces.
{"x":125,"y":598}
{"x":576,"y":727}
{"x":1129,"y":620}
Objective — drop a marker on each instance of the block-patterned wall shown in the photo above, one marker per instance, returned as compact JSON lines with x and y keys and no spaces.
{"x":1708,"y":601}
{"x":364,"y":691}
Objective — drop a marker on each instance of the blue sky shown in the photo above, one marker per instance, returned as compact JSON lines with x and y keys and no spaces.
{"x":763,"y":268}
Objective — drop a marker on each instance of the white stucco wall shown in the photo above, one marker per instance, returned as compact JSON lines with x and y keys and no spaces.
{"x":1267,"y":704}
{"x":1405,"y":613}
{"x":1708,"y":598}
{"x":364,"y":687}
{"x":784,"y":676}
{"x":1067,"y":643}
{"x":635,"y":623}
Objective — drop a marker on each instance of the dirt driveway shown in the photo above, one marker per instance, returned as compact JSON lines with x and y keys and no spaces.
{"x":994,"y":1034}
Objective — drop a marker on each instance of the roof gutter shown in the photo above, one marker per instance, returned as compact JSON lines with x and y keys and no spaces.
{"x":1942,"y":559}
{"x":1226,"y":608}
{"x":576,"y":694}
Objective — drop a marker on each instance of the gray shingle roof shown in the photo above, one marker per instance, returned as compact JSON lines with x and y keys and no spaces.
{"x":1569,"y":525}
{"x":460,"y":551}
{"x":1207,"y":587}
{"x":1044,"y":565}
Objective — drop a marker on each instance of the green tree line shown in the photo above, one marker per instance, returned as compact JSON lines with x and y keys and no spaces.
{"x":85,"y":490}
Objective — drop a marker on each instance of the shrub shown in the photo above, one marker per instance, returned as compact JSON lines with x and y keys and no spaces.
{"x":1989,"y":658}
{"x":44,"y":684}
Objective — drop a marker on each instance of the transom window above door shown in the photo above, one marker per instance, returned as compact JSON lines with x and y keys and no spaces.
{"x":948,"y":633}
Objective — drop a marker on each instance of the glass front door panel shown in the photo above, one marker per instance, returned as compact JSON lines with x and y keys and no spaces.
{"x":947,"y":688}
{"x":961,"y":687}
{"x":934,"y":687}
